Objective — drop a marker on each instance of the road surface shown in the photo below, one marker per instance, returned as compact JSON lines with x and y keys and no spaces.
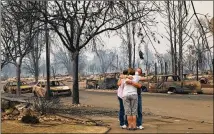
{"x":189,"y":107}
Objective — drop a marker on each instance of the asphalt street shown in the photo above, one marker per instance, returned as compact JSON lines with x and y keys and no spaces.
{"x":191,"y":107}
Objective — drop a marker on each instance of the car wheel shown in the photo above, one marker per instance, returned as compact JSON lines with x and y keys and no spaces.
{"x":70,"y":93}
{"x":203,"y":80}
{"x":174,"y":90}
{"x":200,"y":92}
{"x":171,"y":90}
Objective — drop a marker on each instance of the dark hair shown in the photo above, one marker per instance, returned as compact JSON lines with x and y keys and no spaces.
{"x":125,"y":72}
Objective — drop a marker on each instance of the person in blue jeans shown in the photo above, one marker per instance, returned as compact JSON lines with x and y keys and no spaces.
{"x":139,"y":108}
{"x":139,"y":113}
{"x":122,"y":118}
{"x":121,"y":114}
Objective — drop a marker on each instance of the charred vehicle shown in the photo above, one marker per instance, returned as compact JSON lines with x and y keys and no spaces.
{"x":205,"y":79}
{"x":57,"y":88}
{"x":173,"y":84}
{"x":91,"y":84}
{"x":145,"y":83}
{"x":103,"y":81}
{"x":11,"y":87}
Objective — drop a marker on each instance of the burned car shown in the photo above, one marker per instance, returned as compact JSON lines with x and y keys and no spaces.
{"x":57,"y":88}
{"x":173,"y":84}
{"x":91,"y":84}
{"x":145,"y":83}
{"x":205,"y":79}
{"x":103,"y":81}
{"x":11,"y":87}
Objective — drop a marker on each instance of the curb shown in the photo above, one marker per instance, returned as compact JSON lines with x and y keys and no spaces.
{"x":143,"y":93}
{"x":79,"y":119}
{"x":68,"y":116}
{"x":107,"y":130}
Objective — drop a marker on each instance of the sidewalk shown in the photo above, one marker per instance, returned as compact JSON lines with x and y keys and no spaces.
{"x":160,"y":125}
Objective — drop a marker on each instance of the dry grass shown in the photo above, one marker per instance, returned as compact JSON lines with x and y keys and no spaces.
{"x":50,"y":127}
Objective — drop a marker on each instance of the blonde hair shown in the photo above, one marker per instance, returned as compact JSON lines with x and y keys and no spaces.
{"x":131,"y":71}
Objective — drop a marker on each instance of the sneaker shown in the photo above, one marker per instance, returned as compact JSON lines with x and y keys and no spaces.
{"x":123,"y":127}
{"x":140,"y":127}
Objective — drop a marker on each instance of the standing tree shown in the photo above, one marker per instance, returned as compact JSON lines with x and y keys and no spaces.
{"x":78,"y":22}
{"x":21,"y":31}
{"x":106,"y":58}
{"x":6,"y":46}
{"x":32,"y":60}
{"x":140,"y":29}
{"x":178,"y":30}
{"x":64,"y":57}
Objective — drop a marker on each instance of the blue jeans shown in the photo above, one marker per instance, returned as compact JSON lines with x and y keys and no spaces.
{"x":139,"y":111}
{"x":121,"y":114}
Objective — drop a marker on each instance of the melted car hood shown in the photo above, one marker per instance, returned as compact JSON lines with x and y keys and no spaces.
{"x":59,"y":88}
{"x":25,"y":86}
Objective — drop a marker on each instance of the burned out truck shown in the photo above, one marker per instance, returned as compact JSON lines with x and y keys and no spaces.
{"x":173,"y":84}
{"x":103,"y":81}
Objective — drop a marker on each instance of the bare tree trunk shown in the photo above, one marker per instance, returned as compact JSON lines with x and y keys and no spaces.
{"x":47,"y":54}
{"x":134,"y":43}
{"x":170,"y":32}
{"x":161,"y":64}
{"x":18,"y":71}
{"x":75,"y":79}
{"x":180,"y":4}
{"x":129,"y":42}
{"x":53,"y":72}
{"x":129,"y":45}
{"x":147,"y":58}
{"x":36,"y":74}
{"x":133,"y":40}
{"x":69,"y":67}
{"x":18,"y":67}
{"x":175,"y":51}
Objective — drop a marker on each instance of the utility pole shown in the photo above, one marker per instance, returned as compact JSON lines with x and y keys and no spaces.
{"x":47,"y":53}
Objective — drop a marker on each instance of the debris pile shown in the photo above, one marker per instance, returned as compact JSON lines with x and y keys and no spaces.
{"x":17,"y":112}
{"x":26,"y":114}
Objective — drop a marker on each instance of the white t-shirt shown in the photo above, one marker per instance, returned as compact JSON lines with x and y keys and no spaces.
{"x":129,"y":89}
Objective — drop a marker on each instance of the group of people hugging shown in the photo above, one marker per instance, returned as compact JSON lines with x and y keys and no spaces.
{"x":130,"y":99}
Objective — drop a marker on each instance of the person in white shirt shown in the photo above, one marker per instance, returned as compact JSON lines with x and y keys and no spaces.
{"x":130,"y":98}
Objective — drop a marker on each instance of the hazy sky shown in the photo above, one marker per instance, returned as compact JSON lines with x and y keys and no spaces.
{"x":202,"y":7}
